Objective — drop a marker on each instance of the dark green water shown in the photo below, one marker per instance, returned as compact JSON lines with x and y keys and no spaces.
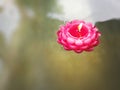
{"x":34,"y":61}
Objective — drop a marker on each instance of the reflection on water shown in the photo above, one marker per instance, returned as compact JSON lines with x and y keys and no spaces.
{"x":89,"y":10}
{"x":9,"y":18}
{"x":34,"y":61}
{"x":1,"y":66}
{"x":30,"y":13}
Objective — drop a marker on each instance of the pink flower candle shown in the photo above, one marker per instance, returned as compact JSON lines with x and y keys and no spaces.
{"x":78,"y":36}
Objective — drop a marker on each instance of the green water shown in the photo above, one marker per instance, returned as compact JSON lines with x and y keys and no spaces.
{"x":33,"y":60}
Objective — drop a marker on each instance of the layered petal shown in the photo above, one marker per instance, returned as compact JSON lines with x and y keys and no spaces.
{"x":78,"y":35}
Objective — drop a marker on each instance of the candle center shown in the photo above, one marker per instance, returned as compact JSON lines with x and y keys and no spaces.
{"x":78,"y":30}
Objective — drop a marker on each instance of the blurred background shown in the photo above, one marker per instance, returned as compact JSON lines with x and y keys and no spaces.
{"x":31,"y":59}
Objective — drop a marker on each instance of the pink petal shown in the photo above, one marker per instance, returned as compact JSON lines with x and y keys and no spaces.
{"x":78,"y":42}
{"x":70,"y":40}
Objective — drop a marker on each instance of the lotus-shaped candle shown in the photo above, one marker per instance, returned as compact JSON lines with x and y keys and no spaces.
{"x":78,"y":35}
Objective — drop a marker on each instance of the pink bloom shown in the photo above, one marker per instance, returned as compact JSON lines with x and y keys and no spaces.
{"x":78,"y":36}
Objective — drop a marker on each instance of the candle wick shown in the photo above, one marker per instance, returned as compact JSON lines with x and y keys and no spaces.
{"x":80,"y":27}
